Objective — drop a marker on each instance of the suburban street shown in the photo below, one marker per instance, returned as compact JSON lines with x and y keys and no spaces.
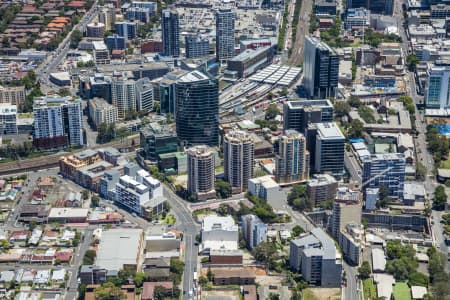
{"x":423,"y":155}
{"x":350,"y":292}
{"x":190,"y":228}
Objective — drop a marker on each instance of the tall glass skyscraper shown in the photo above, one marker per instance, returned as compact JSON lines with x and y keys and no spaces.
{"x":386,"y":169}
{"x":170,"y":33}
{"x":321,"y":69}
{"x":438,"y":87}
{"x":197,"y":109}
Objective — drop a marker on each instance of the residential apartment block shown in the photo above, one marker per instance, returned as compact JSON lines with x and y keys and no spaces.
{"x":316,"y":257}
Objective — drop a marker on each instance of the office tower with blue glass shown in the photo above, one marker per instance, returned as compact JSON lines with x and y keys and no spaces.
{"x":437,"y":91}
{"x":197,"y":109}
{"x":387,"y":169}
{"x":321,"y":69}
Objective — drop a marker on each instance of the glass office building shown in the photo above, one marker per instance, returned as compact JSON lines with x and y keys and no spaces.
{"x":197,"y":109}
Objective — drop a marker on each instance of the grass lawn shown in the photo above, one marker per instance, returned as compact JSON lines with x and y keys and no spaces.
{"x":401,"y":291}
{"x":169,"y":220}
{"x":309,"y":295}
{"x":370,"y":292}
{"x":446,"y":163}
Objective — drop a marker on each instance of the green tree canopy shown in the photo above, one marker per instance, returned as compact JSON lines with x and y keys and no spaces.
{"x":354,"y":101}
{"x":108,"y":291}
{"x":364,"y":270}
{"x":440,"y":198}
{"x":272,"y":111}
{"x":356,"y":129}
{"x":412,"y":61}
{"x":341,"y":108}
{"x":75,"y":38}
{"x":298,"y":197}
{"x":223,"y":189}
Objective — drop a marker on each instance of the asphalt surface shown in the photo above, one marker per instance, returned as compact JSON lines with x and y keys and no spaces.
{"x":190,"y":229}
{"x":423,"y":155}
{"x":52,"y":61}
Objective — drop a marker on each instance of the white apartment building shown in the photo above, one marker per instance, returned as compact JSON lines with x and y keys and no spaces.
{"x":123,"y":94}
{"x":101,"y":111}
{"x":140,"y":193}
{"x":264,"y":187}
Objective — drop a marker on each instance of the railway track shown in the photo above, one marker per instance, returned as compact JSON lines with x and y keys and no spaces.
{"x":52,"y":160}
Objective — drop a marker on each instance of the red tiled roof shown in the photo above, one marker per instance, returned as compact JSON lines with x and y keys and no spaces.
{"x":19,"y":233}
{"x":76,"y":3}
{"x":63,"y":256}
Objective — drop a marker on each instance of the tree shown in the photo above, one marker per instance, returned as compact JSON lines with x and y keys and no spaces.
{"x":417,"y":278}
{"x":176,"y":266}
{"x":402,"y":261}
{"x":107,"y":291}
{"x":95,"y":201}
{"x":365,"y":270}
{"x":75,"y":38}
{"x":412,"y":61}
{"x":203,"y":281}
{"x":421,"y":171}
{"x":156,"y":107}
{"x":223,"y":209}
{"x":266,"y":252}
{"x":354,"y":101}
{"x":160,"y":293}
{"x":356,"y":129}
{"x":106,"y":133}
{"x":89,"y":257}
{"x":139,"y":278}
{"x":298,"y":197}
{"x":366,"y":113}
{"x":400,"y":268}
{"x":272,"y":111}
{"x":408,"y":102}
{"x":210,"y":275}
{"x":223,"y":189}
{"x":440,"y":198}
{"x":297,"y":230}
{"x":395,"y":249}
{"x":341,"y":108}
{"x":32,"y":226}
{"x":4,"y":244}
{"x":85,"y":194}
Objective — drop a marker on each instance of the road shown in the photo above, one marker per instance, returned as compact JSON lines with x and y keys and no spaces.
{"x":72,"y":291}
{"x":11,"y":223}
{"x":423,"y":155}
{"x":351,"y":291}
{"x":52,"y":61}
{"x":190,"y":229}
{"x":185,"y":224}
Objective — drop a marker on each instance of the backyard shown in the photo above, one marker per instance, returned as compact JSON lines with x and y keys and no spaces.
{"x":370,"y":291}
{"x":401,"y":291}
